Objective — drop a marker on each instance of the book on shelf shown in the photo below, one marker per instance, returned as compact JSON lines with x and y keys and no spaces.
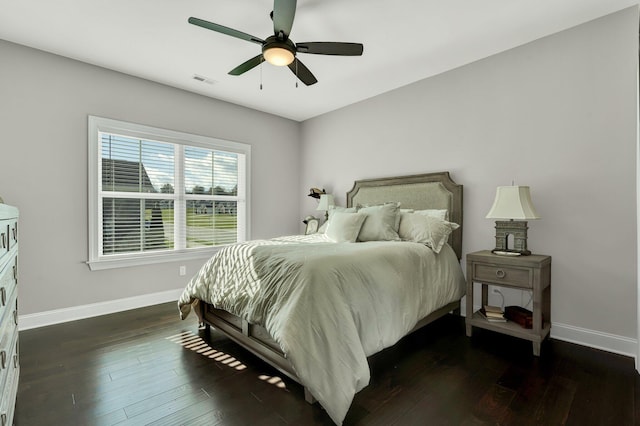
{"x":493,"y":309}
{"x":491,"y":317}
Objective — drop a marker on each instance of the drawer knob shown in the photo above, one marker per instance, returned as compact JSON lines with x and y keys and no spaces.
{"x":3,"y":295}
{"x":500,"y":273}
{"x":3,"y":359}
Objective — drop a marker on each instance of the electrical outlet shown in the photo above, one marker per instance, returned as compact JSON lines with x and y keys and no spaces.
{"x":183,"y":270}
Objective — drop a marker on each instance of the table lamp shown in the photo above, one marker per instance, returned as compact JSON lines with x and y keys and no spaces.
{"x":326,"y":201}
{"x":513,"y":205}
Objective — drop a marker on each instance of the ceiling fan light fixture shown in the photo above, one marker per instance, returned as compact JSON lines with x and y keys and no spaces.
{"x":278,"y":49}
{"x":278,"y":56}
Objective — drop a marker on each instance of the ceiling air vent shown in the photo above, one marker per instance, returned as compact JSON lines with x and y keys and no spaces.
{"x":203,"y":79}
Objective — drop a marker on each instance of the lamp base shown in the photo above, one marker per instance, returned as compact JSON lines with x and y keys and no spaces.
{"x":518,"y":230}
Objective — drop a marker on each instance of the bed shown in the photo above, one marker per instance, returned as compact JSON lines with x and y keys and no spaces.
{"x":304,"y":346}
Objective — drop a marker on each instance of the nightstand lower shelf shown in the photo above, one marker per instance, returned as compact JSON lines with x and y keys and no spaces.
{"x":512,"y":329}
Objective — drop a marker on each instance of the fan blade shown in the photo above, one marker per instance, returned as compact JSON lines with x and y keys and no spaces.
{"x":283,"y":13}
{"x":246,"y":66}
{"x":224,"y":30}
{"x":302,"y":72}
{"x":330,"y":48}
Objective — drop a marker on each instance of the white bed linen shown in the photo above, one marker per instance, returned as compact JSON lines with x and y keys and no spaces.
{"x":329,"y":305}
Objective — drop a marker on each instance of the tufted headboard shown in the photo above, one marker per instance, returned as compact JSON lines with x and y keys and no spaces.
{"x":419,"y":192}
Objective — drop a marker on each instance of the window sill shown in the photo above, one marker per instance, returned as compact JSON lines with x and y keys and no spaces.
{"x":124,"y":262}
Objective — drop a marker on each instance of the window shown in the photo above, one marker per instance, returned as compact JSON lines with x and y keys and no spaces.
{"x":157,"y":195}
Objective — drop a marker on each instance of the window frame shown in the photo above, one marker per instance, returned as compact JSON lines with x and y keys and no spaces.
{"x":97,"y":125}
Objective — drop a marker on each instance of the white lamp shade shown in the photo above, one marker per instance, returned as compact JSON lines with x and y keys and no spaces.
{"x":513,"y":202}
{"x":326,"y":200}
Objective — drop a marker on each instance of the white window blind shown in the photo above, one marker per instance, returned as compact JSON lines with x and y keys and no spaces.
{"x":157,"y":194}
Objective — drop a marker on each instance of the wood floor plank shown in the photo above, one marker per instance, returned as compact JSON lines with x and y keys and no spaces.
{"x":182,"y":403}
{"x":109,"y":419}
{"x":159,"y":399}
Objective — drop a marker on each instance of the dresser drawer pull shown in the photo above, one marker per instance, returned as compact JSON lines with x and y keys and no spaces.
{"x":3,"y":295}
{"x":15,"y":361}
{"x":15,"y":317}
{"x":3,"y":418}
{"x":4,"y":240}
{"x":15,"y":232}
{"x":500,"y":273}
{"x":3,"y":359}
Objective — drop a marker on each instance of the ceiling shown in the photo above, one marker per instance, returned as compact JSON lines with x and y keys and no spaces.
{"x":404,"y":41}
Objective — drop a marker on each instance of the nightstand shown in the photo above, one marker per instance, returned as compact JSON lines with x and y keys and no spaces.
{"x":531,"y":273}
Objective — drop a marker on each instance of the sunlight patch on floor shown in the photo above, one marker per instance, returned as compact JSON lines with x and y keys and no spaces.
{"x":195,"y":343}
{"x":273,"y":380}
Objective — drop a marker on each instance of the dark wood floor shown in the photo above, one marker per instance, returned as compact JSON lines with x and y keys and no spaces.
{"x":147,"y":367}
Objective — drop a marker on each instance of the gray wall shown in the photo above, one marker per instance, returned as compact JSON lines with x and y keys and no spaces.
{"x":45,"y":100}
{"x":558,"y":114}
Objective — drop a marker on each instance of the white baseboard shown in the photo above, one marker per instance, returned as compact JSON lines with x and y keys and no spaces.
{"x":57,"y":316}
{"x":595,"y":339}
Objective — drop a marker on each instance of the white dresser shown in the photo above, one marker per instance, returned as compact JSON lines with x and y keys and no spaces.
{"x":9,"y":362}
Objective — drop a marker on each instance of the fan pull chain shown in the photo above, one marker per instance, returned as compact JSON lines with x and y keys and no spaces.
{"x":296,"y":73}
{"x":261,"y":74}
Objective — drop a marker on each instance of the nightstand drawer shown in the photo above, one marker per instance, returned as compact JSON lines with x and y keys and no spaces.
{"x":517,"y":277}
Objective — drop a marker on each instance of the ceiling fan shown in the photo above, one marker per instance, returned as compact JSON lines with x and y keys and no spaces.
{"x":278,"y":49}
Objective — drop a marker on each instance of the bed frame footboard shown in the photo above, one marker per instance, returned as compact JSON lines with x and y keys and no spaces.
{"x":257,"y":340}
{"x":253,"y":338}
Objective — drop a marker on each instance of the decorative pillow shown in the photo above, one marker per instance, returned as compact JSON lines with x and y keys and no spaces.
{"x":381,"y":223}
{"x":395,"y":203}
{"x":344,"y":227}
{"x":428,"y":230}
{"x":323,"y":228}
{"x":442,"y":214}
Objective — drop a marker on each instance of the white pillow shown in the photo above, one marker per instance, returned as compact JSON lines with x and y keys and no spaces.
{"x":442,"y":214}
{"x":381,"y":223}
{"x":344,"y":227}
{"x":333,"y":209}
{"x":323,"y":228}
{"x":428,"y":230}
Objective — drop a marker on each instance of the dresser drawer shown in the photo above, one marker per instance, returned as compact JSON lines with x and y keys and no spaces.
{"x":8,"y":239}
{"x":8,"y":285}
{"x":11,"y":377}
{"x":512,"y":276}
{"x":8,"y":342}
{"x":5,"y":240}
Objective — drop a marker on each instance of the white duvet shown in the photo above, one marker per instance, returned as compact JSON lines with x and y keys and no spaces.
{"x":329,"y":305}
